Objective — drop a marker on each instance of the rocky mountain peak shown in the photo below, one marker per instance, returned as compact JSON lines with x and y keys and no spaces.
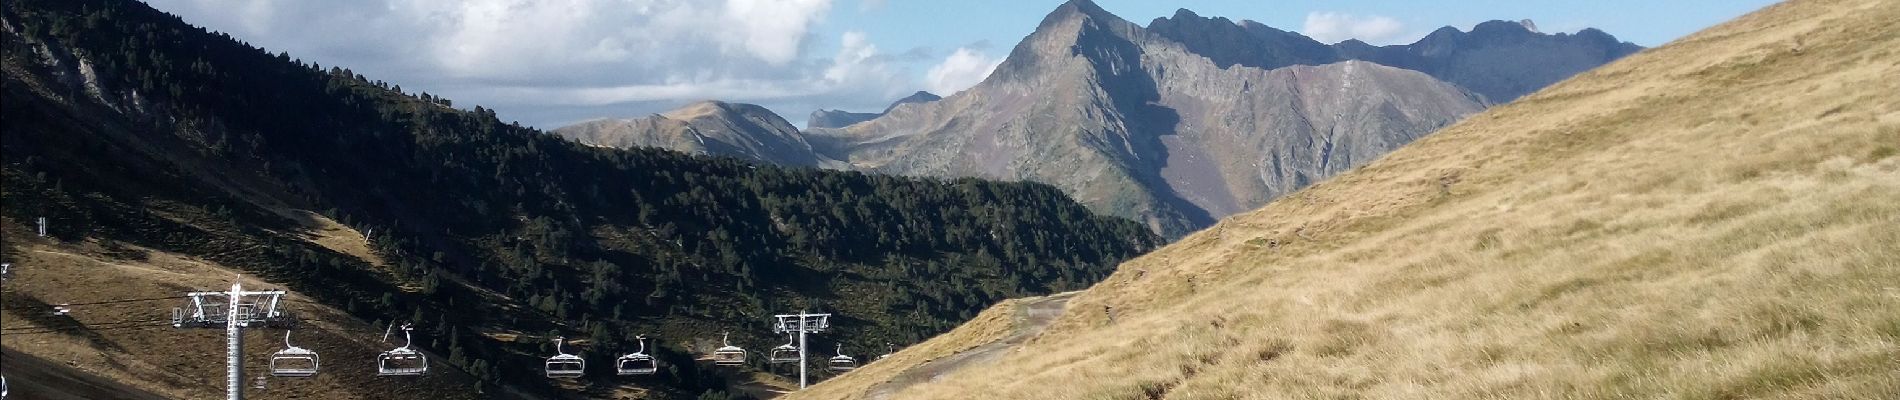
{"x":914,"y":98}
{"x":1079,"y":8}
{"x":1078,"y":27}
{"x":1185,"y":14}
{"x":1502,"y":27}
{"x":1245,"y":43}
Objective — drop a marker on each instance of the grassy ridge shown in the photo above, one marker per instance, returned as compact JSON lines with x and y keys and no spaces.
{"x":1712,"y":219}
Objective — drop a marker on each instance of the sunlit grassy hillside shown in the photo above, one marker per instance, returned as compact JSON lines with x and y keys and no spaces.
{"x":1717,"y":218}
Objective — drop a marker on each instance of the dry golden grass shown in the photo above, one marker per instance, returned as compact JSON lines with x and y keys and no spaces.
{"x":1718,"y":218}
{"x":989,"y":326}
{"x":181,"y":363}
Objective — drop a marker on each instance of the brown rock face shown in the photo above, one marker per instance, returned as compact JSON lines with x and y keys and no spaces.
{"x":1136,"y":125}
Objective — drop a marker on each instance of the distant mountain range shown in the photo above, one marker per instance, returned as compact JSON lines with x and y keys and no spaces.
{"x":718,"y":128}
{"x":707,"y":127}
{"x":1501,"y":60}
{"x":840,"y":119}
{"x":1175,"y":124}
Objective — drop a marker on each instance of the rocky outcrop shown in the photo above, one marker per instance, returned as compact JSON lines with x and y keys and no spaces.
{"x":710,"y":128}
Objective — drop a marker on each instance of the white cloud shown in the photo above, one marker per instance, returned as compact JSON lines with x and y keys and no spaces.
{"x":852,"y":57}
{"x":773,"y":29}
{"x":1332,"y":27}
{"x":555,"y":58}
{"x":961,"y":70}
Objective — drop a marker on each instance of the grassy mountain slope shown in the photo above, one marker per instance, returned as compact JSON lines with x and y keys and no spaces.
{"x":1713,"y":219}
{"x":47,"y":380}
{"x":131,"y":348}
{"x":126,"y":125}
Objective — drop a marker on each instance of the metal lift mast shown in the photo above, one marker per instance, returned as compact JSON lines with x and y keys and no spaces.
{"x":236,"y":316}
{"x":803,"y":323}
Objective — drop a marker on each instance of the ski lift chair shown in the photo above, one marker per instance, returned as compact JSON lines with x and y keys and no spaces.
{"x":888,"y":350}
{"x":729,"y":355}
{"x":785,"y":353}
{"x":841,"y":362}
{"x":293,"y":361}
{"x":563,"y":365}
{"x":638,"y":363}
{"x":402,"y":361}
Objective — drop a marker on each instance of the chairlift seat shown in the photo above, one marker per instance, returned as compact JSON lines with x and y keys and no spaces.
{"x":566,"y":366}
{"x":294,"y":362}
{"x":729,"y":355}
{"x":402,"y":362}
{"x":563,"y":365}
{"x":636,"y":364}
{"x":784,"y":354}
{"x":842,"y":363}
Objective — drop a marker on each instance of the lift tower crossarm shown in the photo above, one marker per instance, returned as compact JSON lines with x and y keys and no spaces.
{"x":233,"y":323}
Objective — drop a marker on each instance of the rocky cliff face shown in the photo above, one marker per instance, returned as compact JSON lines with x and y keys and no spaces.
{"x":1135,"y":124}
{"x":1501,"y":60}
{"x":710,"y":128}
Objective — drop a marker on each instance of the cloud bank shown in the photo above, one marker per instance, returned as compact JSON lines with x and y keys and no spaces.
{"x":961,"y":70}
{"x":551,"y":62}
{"x":1332,"y":27}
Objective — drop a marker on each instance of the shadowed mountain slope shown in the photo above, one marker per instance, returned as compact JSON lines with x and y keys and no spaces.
{"x":130,"y":129}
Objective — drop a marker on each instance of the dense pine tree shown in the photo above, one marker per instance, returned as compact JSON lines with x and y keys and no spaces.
{"x":592,"y":242}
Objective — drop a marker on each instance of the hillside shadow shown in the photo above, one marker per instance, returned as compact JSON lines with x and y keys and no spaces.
{"x":1135,"y":93}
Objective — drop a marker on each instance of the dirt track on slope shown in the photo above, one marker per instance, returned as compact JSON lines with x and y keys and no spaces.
{"x":1035,"y":316}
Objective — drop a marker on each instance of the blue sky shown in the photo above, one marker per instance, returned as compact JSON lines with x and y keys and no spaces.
{"x":908,"y":23}
{"x":548,"y":63}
